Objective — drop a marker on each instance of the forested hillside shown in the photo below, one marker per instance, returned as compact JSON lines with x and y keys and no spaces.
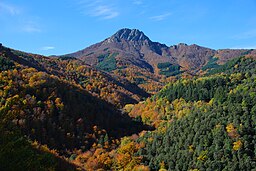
{"x":214,"y":135}
{"x":209,"y":127}
{"x":116,"y":90}
{"x":62,"y":114}
{"x":56,"y":115}
{"x":205,"y":123}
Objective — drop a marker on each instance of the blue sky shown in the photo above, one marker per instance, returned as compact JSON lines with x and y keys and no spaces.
{"x":63,"y":26}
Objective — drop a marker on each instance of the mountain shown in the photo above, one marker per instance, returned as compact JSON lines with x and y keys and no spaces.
{"x":128,"y":46}
{"x":130,"y":53}
{"x":133,"y":47}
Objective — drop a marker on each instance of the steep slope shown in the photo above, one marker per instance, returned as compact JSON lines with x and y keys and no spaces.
{"x":218,"y":135}
{"x":128,"y":53}
{"x":205,"y":123}
{"x":39,"y":111}
{"x":131,"y":47}
{"x":113,"y":89}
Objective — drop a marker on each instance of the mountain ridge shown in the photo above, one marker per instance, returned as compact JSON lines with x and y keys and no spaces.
{"x":130,"y":53}
{"x":135,"y":42}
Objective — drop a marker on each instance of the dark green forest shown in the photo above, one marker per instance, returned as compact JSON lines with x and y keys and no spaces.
{"x":219,"y":134}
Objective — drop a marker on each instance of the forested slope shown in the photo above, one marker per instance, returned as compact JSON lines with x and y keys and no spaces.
{"x":205,"y":123}
{"x":116,"y":90}
{"x":49,"y":116}
{"x":215,"y":135}
{"x":61,"y":114}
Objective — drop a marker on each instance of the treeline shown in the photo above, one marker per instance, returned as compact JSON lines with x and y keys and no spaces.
{"x":240,"y":64}
{"x":204,"y":88}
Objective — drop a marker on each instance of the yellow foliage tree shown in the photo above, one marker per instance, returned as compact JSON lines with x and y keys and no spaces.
{"x":237,"y":145}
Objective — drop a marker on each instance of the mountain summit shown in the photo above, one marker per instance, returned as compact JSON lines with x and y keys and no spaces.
{"x":129,"y":35}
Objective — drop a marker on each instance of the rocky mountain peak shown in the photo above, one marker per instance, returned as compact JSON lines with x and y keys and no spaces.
{"x":129,"y":35}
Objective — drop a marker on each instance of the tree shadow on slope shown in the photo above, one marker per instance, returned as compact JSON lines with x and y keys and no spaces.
{"x":74,"y":118}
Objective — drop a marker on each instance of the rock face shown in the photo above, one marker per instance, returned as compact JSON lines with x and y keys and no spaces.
{"x":129,"y":35}
{"x":133,"y":48}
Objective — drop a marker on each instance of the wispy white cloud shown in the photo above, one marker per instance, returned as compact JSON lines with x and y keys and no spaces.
{"x":31,"y":27}
{"x":98,"y":8}
{"x":160,"y":17}
{"x":246,"y":35}
{"x":46,"y":48}
{"x":104,"y":12}
{"x":137,"y":2}
{"x":10,"y":9}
